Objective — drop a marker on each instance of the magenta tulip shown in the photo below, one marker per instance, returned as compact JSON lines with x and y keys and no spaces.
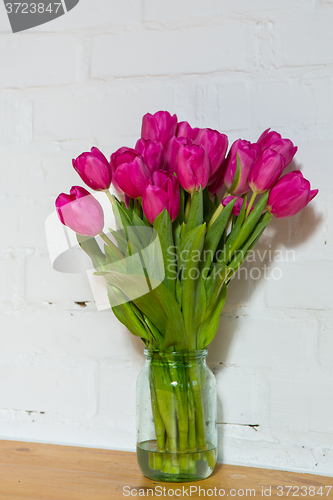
{"x":266,"y":171}
{"x":159,"y":127}
{"x":248,"y":154}
{"x":171,"y":151}
{"x":290,"y":195}
{"x":184,"y":129}
{"x":215,"y":144}
{"x":122,"y":155}
{"x":80,"y":211}
{"x":273,"y":140}
{"x":161,"y":192}
{"x":94,"y":169}
{"x":132,"y":176}
{"x":193,"y":168}
{"x":237,"y":206}
{"x":151,"y":152}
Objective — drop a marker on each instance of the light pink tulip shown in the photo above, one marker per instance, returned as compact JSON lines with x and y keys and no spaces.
{"x":80,"y":211}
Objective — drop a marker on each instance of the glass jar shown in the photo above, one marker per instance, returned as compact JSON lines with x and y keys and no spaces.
{"x":176,"y":416}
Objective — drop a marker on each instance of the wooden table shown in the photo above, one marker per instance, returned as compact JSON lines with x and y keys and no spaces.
{"x":30,"y":471}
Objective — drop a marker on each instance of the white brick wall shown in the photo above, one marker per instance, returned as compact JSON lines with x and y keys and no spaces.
{"x":68,"y":372}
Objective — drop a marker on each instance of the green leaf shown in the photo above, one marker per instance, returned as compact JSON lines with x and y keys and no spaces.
{"x":215,"y":233}
{"x":163,"y":226}
{"x":248,"y":245}
{"x":182,"y":206}
{"x":250,"y":222}
{"x":125,"y":314}
{"x":195,"y":217}
{"x":230,"y":246}
{"x":208,"y":206}
{"x":158,"y":305}
{"x":211,"y":321}
{"x":194,"y":296}
{"x":91,"y":248}
{"x":237,"y":176}
{"x":120,"y":238}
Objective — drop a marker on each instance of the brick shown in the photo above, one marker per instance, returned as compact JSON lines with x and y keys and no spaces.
{"x":12,"y":276}
{"x":92,"y":109}
{"x":16,"y":118}
{"x":167,"y":11}
{"x":305,"y":43}
{"x":39,"y":61}
{"x":296,"y":285}
{"x":325,"y":347}
{"x":313,"y":153}
{"x":46,"y":385}
{"x":160,"y":47}
{"x":234,"y":107}
{"x":302,"y":406}
{"x":76,"y":333}
{"x":104,"y":15}
{"x":44,"y":284}
{"x":259,"y":342}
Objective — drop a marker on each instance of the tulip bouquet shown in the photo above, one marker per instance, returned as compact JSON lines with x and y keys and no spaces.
{"x":171,"y":183}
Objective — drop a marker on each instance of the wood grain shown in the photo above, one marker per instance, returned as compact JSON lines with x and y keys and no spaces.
{"x":30,"y":471}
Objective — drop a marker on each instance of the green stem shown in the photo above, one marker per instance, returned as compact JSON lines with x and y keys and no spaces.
{"x":110,"y":244}
{"x":188,"y":208}
{"x":215,"y":216}
{"x":253,"y":197}
{"x":199,"y":411}
{"x":109,"y":195}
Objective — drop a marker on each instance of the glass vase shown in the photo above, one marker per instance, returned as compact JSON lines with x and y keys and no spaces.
{"x":176,"y":416}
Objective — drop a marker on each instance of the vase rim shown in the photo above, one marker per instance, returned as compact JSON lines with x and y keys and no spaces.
{"x":175,"y":355}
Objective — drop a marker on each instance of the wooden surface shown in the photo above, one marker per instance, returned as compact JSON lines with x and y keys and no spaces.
{"x":31,"y":471}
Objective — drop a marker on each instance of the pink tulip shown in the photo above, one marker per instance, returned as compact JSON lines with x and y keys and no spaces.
{"x":290,"y":195}
{"x":215,"y":144}
{"x":80,"y":211}
{"x":132,"y":176}
{"x":193,"y":168}
{"x":273,"y":140}
{"x":122,"y":155}
{"x":266,"y":171}
{"x":185,"y":130}
{"x":94,"y":169}
{"x":162,"y":191}
{"x":248,"y":154}
{"x":171,"y":151}
{"x":151,"y":153}
{"x":237,"y":206}
{"x":159,"y":127}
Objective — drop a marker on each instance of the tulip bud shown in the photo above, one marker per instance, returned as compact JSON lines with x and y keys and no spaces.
{"x":132,"y":176}
{"x":193,"y":168}
{"x":80,"y":211}
{"x":159,"y":127}
{"x":151,"y":153}
{"x":290,"y":195}
{"x":215,"y":144}
{"x":273,"y":140}
{"x":171,"y":151}
{"x":185,"y":130}
{"x":247,"y":154}
{"x":94,"y":169}
{"x":122,"y":155}
{"x":266,"y":171}
{"x":237,"y":206}
{"x":162,"y":191}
